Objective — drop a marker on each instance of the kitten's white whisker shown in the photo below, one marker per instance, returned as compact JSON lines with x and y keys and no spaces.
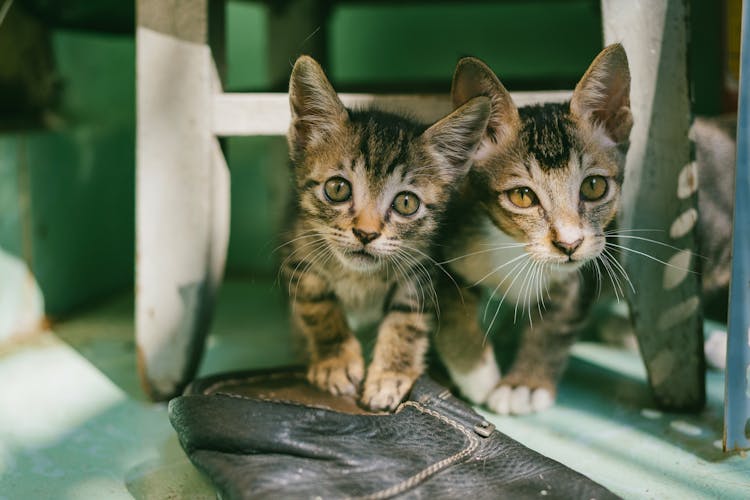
{"x":649,"y":257}
{"x":317,"y":244}
{"x":525,"y":283}
{"x":542,"y":283}
{"x":497,"y":311}
{"x":655,"y":242}
{"x":494,"y":291}
{"x":610,"y":273}
{"x":615,"y":232}
{"x":618,"y":267}
{"x":439,"y":266}
{"x":538,"y":288}
{"x":532,"y":280}
{"x":308,"y":234}
{"x":498,"y":268}
{"x":430,"y":284}
{"x":313,"y":256}
{"x":598,"y":278}
{"x":478,"y":252}
{"x":294,"y":252}
{"x":416,"y":280}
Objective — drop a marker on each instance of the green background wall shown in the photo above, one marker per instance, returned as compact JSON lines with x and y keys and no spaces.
{"x":67,"y":192}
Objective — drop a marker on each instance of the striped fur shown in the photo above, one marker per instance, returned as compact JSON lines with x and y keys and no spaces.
{"x":550,"y":149}
{"x":359,"y":260}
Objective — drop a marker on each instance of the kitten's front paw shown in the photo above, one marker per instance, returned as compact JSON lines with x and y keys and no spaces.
{"x":477,"y":383}
{"x":384,"y":390}
{"x":508,"y":399}
{"x":339,"y":375}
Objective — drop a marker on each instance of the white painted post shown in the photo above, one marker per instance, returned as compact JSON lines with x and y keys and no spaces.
{"x":182,"y":192}
{"x":660,"y":187}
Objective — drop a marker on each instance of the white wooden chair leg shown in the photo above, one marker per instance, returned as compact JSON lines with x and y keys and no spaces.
{"x":182,"y":194}
{"x":660,"y":185}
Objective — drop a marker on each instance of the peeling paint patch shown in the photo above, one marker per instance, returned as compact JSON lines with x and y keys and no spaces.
{"x":719,"y":444}
{"x":687,"y":182}
{"x":661,"y":366}
{"x":651,"y":414}
{"x":677,"y":271}
{"x":683,"y":224}
{"x":686,"y":428}
{"x":677,"y":313}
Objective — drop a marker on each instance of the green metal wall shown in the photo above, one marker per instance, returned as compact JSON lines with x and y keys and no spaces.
{"x":67,"y":193}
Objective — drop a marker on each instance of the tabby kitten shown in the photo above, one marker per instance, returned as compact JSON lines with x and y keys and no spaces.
{"x":371,"y":189}
{"x":544,"y":186}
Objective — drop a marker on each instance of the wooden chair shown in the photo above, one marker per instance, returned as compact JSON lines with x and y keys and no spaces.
{"x":183,"y":182}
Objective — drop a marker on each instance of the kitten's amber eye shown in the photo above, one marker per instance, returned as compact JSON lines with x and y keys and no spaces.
{"x":522,"y":197}
{"x":406,"y":203}
{"x":594,"y":187}
{"x":338,"y":189}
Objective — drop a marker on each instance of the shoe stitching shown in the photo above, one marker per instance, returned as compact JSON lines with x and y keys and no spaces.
{"x":434,"y":468}
{"x":405,"y":485}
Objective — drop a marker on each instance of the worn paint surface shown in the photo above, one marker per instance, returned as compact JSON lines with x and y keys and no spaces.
{"x":737,"y":416}
{"x":21,"y":300}
{"x":666,"y":304}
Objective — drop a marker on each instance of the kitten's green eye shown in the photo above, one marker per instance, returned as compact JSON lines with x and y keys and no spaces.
{"x":406,"y":203}
{"x":593,"y":188}
{"x":337,"y":189}
{"x":522,"y":197}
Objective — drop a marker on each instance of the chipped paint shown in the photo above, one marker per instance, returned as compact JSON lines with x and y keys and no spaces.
{"x":683,"y":224}
{"x":651,"y":414}
{"x":678,"y":313}
{"x":686,"y":428}
{"x":661,"y":366}
{"x":687,"y":182}
{"x":677,"y":269}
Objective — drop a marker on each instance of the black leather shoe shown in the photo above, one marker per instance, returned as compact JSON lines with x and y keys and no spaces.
{"x":271,"y":435}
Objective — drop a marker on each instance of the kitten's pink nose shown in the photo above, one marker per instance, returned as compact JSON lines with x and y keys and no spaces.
{"x":568,"y":248}
{"x":364,"y":236}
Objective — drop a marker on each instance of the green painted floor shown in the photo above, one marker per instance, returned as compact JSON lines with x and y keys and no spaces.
{"x":73,"y":423}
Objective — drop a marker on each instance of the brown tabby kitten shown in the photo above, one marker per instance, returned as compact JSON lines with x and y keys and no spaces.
{"x":371,"y":189}
{"x":544,"y":186}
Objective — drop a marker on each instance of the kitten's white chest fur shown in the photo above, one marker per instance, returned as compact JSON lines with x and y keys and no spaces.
{"x":486,"y":264}
{"x":362,"y":297}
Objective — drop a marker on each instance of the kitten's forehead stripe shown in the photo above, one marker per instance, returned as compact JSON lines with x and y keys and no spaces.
{"x":384,"y":140}
{"x":545,"y":132}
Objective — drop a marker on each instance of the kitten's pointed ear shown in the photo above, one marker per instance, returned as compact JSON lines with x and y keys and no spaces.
{"x":602,"y":97}
{"x":454,"y":139}
{"x":474,"y":78}
{"x":317,"y":111}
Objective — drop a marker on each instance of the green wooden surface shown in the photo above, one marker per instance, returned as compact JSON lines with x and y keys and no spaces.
{"x":10,"y":197}
{"x":544,"y":44}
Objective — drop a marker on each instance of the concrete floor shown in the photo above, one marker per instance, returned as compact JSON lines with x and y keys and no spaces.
{"x":74,"y":424}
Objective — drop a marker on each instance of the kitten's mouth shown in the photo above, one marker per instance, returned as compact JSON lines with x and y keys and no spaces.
{"x":364,"y":254}
{"x":361,"y":258}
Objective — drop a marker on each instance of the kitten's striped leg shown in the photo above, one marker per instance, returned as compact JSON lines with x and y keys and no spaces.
{"x":398,"y":359}
{"x":336,"y":363}
{"x":463,"y":346}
